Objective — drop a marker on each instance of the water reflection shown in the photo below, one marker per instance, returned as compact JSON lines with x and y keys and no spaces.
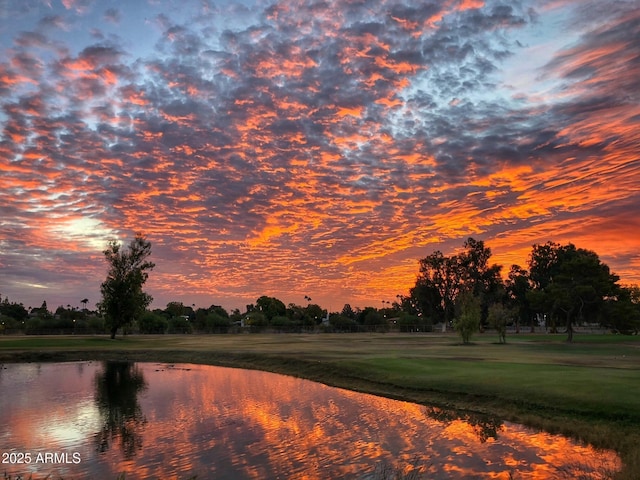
{"x":484,"y":426}
{"x":117,"y":389}
{"x":176,"y":421}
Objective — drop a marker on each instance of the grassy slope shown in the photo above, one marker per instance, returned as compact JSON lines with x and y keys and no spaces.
{"x":589,"y":389}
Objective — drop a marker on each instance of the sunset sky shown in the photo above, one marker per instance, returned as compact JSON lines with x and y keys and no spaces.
{"x":314,"y":148}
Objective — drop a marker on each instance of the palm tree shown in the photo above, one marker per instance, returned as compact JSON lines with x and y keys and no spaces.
{"x":84,"y":301}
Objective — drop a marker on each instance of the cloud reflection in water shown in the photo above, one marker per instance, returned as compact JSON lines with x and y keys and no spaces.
{"x":217,"y":422}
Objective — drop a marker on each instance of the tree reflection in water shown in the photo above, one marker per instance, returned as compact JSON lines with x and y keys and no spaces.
{"x":117,"y":389}
{"x":484,"y":426}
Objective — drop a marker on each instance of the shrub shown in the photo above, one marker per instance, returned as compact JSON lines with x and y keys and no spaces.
{"x":152,"y":323}
{"x":282,"y":323}
{"x":179,"y":325}
{"x":375,"y":322}
{"x":342,"y":323}
{"x":33,"y":326}
{"x":9,"y":324}
{"x":413,"y":323}
{"x":216,"y":323}
{"x":256,"y":321}
{"x":95,"y":325}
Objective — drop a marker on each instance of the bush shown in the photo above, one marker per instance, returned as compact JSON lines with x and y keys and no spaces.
{"x":342,"y":323}
{"x":282,"y":323}
{"x":33,"y":326}
{"x":179,"y":325}
{"x":256,"y":321}
{"x":89,"y":325}
{"x":65,"y":324}
{"x":216,"y":323}
{"x":413,"y":323}
{"x":152,"y":323}
{"x":95,"y":325}
{"x":375,"y":322}
{"x":9,"y":324}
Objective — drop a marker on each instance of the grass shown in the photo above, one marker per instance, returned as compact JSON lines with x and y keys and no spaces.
{"x":589,"y":390}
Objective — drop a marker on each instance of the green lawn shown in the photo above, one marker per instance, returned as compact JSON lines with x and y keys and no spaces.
{"x":589,"y":389}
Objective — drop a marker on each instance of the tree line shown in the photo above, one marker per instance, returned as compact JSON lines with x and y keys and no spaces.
{"x":561,"y":287}
{"x":265,"y":314}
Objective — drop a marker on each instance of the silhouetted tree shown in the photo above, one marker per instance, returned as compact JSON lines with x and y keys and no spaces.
{"x":480,"y":278}
{"x":314,"y":314}
{"x":122,"y":297}
{"x":517,"y":287}
{"x":175,"y":309}
{"x":425,"y":300}
{"x":442,"y":278}
{"x":621,"y":311}
{"x":348,"y":312}
{"x":438,"y":285}
{"x":271,"y":307}
{"x":16,"y":311}
{"x":571,"y":282}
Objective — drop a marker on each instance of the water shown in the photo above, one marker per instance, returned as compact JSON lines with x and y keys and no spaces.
{"x":98,"y":420}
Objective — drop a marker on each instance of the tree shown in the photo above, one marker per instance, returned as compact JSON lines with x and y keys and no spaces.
{"x":174,"y":309}
{"x":218,"y":310}
{"x":571,"y":282}
{"x":123,"y":299}
{"x":467,"y":321}
{"x":16,"y":311}
{"x":437,"y":286}
{"x":271,"y":307}
{"x":442,"y":278}
{"x":425,"y":300}
{"x":543,"y":263}
{"x":480,"y":278}
{"x":373,"y":320}
{"x":43,"y":312}
{"x":499,"y":317}
{"x":348,"y":312}
{"x":314,"y":314}
{"x":622,"y":311}
{"x":517,"y":287}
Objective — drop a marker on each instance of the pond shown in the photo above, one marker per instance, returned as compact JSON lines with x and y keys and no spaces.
{"x":99,"y":420}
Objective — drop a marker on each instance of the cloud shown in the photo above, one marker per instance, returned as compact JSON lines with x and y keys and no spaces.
{"x":311,"y":146}
{"x":113,"y":15}
{"x":80,"y":6}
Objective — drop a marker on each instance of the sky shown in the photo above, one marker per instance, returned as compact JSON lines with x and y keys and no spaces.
{"x":304,"y":148}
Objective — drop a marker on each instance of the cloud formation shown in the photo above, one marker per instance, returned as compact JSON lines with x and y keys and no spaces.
{"x":311,"y":147}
